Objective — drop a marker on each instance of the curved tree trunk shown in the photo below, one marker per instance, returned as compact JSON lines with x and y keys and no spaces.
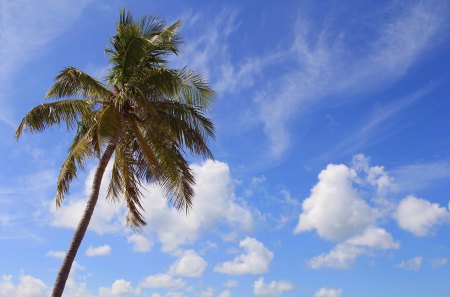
{"x":64,"y":271}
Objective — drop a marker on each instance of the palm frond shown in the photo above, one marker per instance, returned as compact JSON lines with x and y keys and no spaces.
{"x":193,"y":89}
{"x":151,"y":26}
{"x":72,"y":82}
{"x":79,"y":151}
{"x":108,"y":123}
{"x":131,"y":186}
{"x":146,"y":149}
{"x":185,"y":124}
{"x":178,"y":179}
{"x":115,"y":187}
{"x":50,"y":114}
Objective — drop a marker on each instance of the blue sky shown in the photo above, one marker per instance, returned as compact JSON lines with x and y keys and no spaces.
{"x":332,"y":167}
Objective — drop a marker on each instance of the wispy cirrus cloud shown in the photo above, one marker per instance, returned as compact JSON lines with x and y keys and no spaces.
{"x":421,"y":175}
{"x":376,"y":124}
{"x":208,"y":51}
{"x":26,"y":27}
{"x":329,"y":69}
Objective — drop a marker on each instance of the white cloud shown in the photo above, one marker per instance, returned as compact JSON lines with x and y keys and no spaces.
{"x":140,"y":243}
{"x":56,"y":254}
{"x":334,"y":208}
{"x":255,"y":259}
{"x":119,"y":288}
{"x":226,"y":293}
{"x":189,"y":264}
{"x":439,"y":262}
{"x":60,"y":255}
{"x":175,"y":294}
{"x":231,"y":283}
{"x":340,"y":257}
{"x":215,"y":203}
{"x":338,"y":212}
{"x":272,"y":289}
{"x":345,"y":253}
{"x":107,"y":218}
{"x":208,"y":293}
{"x":325,"y":292}
{"x":419,"y":216}
{"x":325,"y":70}
{"x":413,"y":264}
{"x":374,"y":237}
{"x":162,"y":281}
{"x":28,"y":286}
{"x":103,"y":250}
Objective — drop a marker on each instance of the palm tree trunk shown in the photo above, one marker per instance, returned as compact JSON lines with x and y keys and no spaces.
{"x":64,"y":271}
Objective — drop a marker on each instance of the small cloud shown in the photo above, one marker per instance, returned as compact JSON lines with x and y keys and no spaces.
{"x":254,"y":260}
{"x":413,"y":264}
{"x":231,"y":283}
{"x":162,"y":281}
{"x":56,"y":254}
{"x":344,"y":254}
{"x":103,"y":250}
{"x":272,"y":289}
{"x":140,"y":243}
{"x":325,"y":292}
{"x":119,"y":288}
{"x":439,"y":262}
{"x":189,"y":264}
{"x":226,"y":293}
{"x":419,"y":216}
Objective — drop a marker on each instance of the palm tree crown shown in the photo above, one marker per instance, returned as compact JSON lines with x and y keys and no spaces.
{"x":146,"y":114}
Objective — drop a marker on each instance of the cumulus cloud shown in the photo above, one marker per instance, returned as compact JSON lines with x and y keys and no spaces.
{"x":215,"y":203}
{"x":162,"y":281}
{"x":325,"y":292}
{"x":28,"y":286}
{"x":107,"y":218}
{"x":335,"y":209}
{"x":103,"y":250}
{"x":189,"y":264}
{"x":272,"y":289}
{"x":344,"y":254}
{"x":419,"y":216}
{"x":413,"y":264}
{"x":255,"y":259}
{"x":140,"y":243}
{"x":119,"y":288}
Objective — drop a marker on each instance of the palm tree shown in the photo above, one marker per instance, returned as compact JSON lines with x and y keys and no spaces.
{"x":145,"y":114}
